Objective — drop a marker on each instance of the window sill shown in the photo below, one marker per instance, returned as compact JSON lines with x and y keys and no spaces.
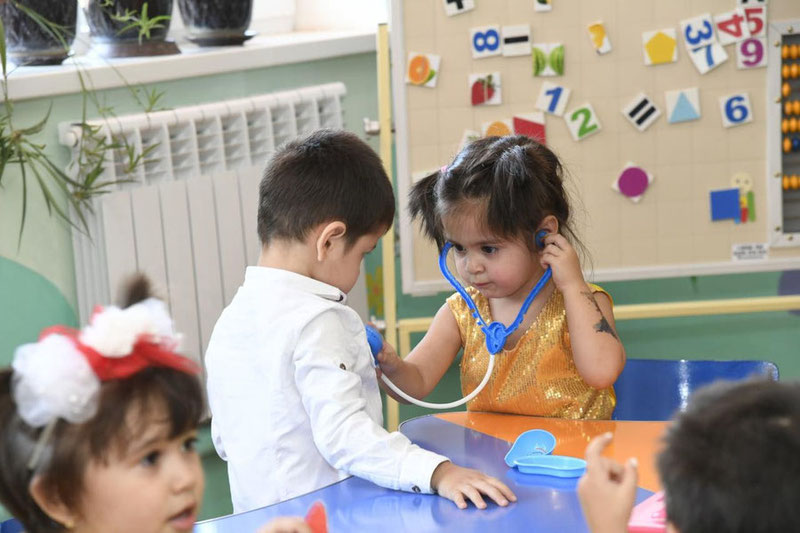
{"x":259,"y":52}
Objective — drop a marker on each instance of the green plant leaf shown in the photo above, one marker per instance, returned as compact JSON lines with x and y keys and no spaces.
{"x":3,"y":47}
{"x":39,"y":126}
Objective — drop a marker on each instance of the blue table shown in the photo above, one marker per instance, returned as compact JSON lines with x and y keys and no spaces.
{"x":545,"y":504}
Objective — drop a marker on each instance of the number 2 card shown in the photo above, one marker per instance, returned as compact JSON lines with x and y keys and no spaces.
{"x":582,"y":122}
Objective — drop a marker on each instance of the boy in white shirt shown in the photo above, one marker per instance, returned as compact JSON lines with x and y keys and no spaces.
{"x":294,"y":398}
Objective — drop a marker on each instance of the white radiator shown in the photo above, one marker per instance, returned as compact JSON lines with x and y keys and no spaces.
{"x":188,"y":216}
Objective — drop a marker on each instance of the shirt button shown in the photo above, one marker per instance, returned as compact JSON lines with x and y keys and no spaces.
{"x":415,"y":489}
{"x":342,"y":366}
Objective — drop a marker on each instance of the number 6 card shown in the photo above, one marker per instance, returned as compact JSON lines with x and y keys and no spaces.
{"x":735,"y":110}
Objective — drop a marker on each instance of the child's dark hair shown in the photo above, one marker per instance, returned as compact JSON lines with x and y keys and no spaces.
{"x":72,"y":446}
{"x":520,"y":181}
{"x":731,"y":463}
{"x":325,"y":176}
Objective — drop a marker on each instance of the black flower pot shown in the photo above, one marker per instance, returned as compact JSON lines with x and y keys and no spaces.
{"x":111,"y":39}
{"x":27,"y":42}
{"x":216,"y":22}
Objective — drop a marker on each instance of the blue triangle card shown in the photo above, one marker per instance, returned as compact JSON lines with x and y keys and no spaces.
{"x":684,"y":111}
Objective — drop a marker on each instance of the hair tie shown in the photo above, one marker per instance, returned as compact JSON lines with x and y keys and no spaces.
{"x":60,"y":375}
{"x":443,"y":169}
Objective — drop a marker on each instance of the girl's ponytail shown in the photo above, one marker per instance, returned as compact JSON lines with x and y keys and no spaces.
{"x":422,"y":205}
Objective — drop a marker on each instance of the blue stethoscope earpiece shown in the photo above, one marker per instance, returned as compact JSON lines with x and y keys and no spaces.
{"x":540,"y":235}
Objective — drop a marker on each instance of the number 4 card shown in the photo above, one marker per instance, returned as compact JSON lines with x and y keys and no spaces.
{"x":582,"y":121}
{"x":735,"y":110}
{"x":732,"y":27}
{"x":553,"y":98}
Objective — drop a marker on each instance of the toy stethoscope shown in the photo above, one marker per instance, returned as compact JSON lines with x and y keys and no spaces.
{"x":496,"y":332}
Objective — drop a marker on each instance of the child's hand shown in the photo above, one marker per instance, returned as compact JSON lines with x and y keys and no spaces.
{"x":607,"y":490}
{"x":457,"y":483}
{"x":559,"y":254}
{"x":286,"y":524}
{"x":388,"y":359}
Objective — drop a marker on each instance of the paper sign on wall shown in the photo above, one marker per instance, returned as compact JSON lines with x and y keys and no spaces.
{"x":516,"y":40}
{"x":548,"y":59}
{"x":751,"y":251}
{"x":553,"y":98}
{"x":456,"y":7}
{"x":660,"y":46}
{"x":423,"y":69}
{"x":485,"y":89}
{"x":599,"y":37}
{"x":532,"y":125}
{"x":683,"y":105}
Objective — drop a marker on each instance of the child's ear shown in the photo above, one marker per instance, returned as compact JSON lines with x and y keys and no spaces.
{"x":50,"y":503}
{"x":549,"y":223}
{"x":331,"y":234}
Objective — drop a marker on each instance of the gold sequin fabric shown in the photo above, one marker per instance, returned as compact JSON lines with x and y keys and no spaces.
{"x":537,"y":377}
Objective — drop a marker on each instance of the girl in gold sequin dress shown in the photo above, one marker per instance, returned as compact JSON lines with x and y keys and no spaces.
{"x":564,"y":357}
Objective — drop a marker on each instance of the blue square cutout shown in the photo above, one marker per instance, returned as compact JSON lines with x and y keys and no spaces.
{"x":725,"y":205}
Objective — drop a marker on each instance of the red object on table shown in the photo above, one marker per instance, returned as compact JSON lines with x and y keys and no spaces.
{"x":650,"y":516}
{"x":316,"y":518}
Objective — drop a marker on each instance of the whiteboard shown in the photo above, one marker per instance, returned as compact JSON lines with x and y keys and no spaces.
{"x":669,"y":231}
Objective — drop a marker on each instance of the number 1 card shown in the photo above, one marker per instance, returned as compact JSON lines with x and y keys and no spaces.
{"x":552,"y":98}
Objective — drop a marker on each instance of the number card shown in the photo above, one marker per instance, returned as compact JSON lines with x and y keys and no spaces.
{"x":423,"y":69}
{"x":756,"y":20}
{"x":485,"y":89}
{"x":698,"y":31}
{"x":548,"y":59}
{"x":553,"y":98}
{"x":735,"y":110}
{"x":708,"y":57}
{"x":542,"y":5}
{"x":732,"y":27}
{"x":683,"y":105}
{"x":641,"y":112}
{"x":660,"y":47}
{"x":582,"y":122}
{"x":516,"y":40}
{"x":456,"y":7}
{"x":752,"y":53}
{"x":485,"y":41}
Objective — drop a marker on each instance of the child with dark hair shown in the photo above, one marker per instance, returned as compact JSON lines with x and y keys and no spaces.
{"x":561,"y":361}
{"x":99,"y":425}
{"x":730,"y":464}
{"x":294,"y":398}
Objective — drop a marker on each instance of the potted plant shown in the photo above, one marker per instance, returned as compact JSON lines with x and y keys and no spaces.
{"x":28,"y":40}
{"x":216,"y":22}
{"x":21,"y":148}
{"x":124,"y":28}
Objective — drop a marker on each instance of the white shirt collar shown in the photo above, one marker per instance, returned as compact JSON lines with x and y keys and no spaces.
{"x":258,"y":275}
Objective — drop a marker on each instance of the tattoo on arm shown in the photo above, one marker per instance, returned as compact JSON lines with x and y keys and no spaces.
{"x":603,"y":326}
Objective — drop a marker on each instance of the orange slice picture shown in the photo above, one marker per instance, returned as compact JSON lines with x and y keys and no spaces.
{"x":419,"y":70}
{"x":497,"y":129}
